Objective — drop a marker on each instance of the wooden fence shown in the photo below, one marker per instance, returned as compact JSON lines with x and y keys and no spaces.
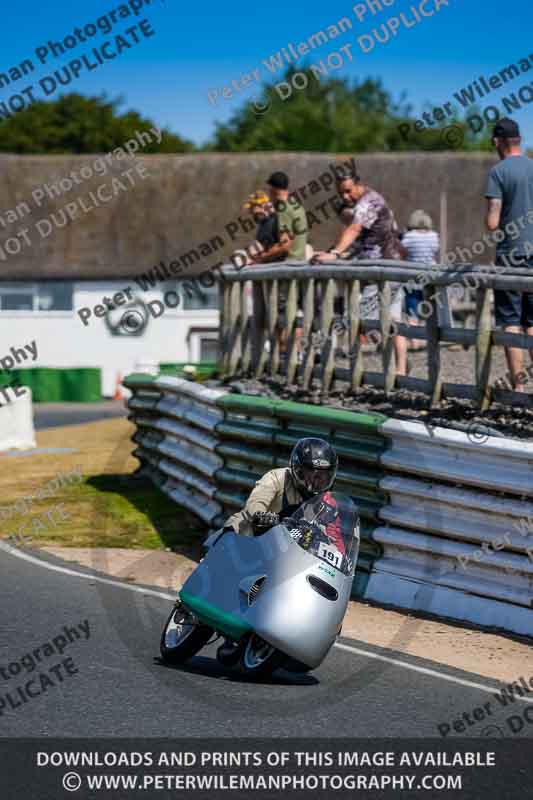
{"x":252,"y":333}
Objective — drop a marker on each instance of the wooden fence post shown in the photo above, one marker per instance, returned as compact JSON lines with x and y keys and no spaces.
{"x":225,"y":326}
{"x":326,"y":322}
{"x":389,"y":364}
{"x":259,"y":353}
{"x":307,"y":333}
{"x":273,"y":318}
{"x":236,"y":330}
{"x":246,"y":301}
{"x":433,"y":345}
{"x":483,"y":348}
{"x":292,"y":343}
{"x":356,"y":351}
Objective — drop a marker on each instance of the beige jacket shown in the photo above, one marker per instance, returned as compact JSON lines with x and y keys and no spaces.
{"x":267,"y":495}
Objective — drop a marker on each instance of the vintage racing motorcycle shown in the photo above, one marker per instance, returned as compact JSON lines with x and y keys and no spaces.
{"x":280,"y":597}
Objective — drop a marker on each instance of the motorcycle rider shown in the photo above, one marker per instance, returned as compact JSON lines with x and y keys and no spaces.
{"x":279,"y":493}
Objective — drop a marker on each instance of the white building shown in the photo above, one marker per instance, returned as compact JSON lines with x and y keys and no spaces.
{"x":71,"y":327}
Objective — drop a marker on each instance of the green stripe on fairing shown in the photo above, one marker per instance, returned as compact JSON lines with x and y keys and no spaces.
{"x":222,"y":621}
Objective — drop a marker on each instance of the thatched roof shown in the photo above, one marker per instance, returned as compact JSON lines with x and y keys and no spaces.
{"x":189,"y":208}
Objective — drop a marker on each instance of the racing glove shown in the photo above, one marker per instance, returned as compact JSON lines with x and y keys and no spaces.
{"x":262,"y":521}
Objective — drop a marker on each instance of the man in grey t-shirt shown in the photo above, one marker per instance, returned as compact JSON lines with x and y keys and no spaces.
{"x":510,"y":211}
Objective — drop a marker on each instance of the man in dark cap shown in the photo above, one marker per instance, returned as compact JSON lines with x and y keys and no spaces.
{"x":292,"y":223}
{"x":510,"y":212}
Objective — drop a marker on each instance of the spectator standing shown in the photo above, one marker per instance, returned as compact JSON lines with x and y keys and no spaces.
{"x":291,"y":244}
{"x":291,"y":221}
{"x":510,"y":198}
{"x":372,"y":234}
{"x":422,"y":245}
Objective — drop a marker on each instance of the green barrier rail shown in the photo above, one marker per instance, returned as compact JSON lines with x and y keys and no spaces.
{"x":204,"y":369}
{"x":332,"y":418}
{"x":58,"y":385}
{"x":138,"y":380}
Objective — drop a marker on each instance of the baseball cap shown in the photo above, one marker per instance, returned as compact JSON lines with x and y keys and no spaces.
{"x":279,"y":180}
{"x":258,"y":198}
{"x":506,"y":129}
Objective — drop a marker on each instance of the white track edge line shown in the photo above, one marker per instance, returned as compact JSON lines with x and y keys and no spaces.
{"x":13,"y":551}
{"x":427,"y":671}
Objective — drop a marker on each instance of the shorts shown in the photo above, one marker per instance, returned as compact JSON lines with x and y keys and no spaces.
{"x":283,"y":298}
{"x":412,"y":300}
{"x":369,"y":304}
{"x":514,"y":308}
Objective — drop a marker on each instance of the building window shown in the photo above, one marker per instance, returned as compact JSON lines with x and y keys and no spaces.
{"x":20,"y":300}
{"x":49,"y":296}
{"x":208,"y":349}
{"x":199,"y":298}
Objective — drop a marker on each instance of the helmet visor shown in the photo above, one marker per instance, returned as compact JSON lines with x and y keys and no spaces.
{"x":314,"y":481}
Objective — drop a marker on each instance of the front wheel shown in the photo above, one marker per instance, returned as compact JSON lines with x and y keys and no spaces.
{"x":183,"y":636}
{"x":259,"y":659}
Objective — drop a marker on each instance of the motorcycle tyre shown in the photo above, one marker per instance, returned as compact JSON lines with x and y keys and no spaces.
{"x":187,"y":648}
{"x":263,"y":669}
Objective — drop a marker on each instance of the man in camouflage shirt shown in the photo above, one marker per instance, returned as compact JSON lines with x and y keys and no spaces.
{"x":372,"y":234}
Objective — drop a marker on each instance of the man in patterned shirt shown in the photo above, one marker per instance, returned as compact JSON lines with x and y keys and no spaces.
{"x":372,"y":234}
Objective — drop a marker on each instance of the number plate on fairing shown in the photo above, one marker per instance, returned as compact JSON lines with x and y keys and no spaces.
{"x":330,"y":554}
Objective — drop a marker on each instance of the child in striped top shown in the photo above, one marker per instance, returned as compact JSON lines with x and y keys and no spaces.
{"x":422,"y":244}
{"x":421,"y":241}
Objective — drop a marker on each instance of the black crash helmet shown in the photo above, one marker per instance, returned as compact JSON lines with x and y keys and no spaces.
{"x":313,"y":466}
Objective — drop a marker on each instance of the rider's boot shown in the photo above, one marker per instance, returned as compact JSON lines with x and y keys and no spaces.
{"x":228,"y":653}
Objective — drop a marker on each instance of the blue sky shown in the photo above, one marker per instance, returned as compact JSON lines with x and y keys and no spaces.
{"x":199,"y":47}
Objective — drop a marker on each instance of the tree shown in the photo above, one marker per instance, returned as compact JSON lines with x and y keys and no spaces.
{"x":77,"y":124}
{"x":334,"y":115}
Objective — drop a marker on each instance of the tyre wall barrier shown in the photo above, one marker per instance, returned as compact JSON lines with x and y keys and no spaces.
{"x":432,"y":503}
{"x":207,"y":448}
{"x":176,"y":445}
{"x":258,"y":434}
{"x":16,"y":421}
{"x":457,"y":530}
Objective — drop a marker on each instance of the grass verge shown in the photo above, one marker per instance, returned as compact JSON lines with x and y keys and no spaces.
{"x":109,"y":508}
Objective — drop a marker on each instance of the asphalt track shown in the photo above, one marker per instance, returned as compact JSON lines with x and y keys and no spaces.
{"x":122,"y":689}
{"x":54,"y":415}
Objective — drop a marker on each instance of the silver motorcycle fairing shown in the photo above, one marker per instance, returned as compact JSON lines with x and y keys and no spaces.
{"x":287,"y":612}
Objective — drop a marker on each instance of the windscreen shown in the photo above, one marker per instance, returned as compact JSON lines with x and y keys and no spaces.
{"x":327,"y":526}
